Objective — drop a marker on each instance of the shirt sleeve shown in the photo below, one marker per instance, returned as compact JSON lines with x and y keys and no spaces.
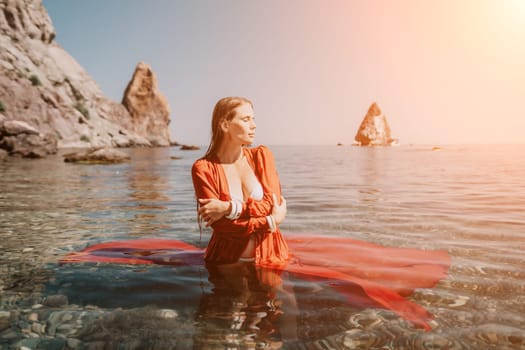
{"x":206,"y":186}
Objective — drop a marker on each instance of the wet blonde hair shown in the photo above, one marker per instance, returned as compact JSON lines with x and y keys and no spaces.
{"x":224,"y":110}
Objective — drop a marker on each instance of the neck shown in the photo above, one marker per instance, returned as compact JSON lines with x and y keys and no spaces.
{"x":229,"y":154}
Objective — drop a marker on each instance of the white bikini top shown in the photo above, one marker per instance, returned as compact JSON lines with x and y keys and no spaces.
{"x":257,"y":192}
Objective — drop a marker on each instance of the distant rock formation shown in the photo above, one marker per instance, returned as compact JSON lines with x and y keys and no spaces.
{"x":97,"y":156}
{"x":42,"y":86}
{"x":149,"y":110}
{"x":189,"y":148}
{"x":374,"y":129}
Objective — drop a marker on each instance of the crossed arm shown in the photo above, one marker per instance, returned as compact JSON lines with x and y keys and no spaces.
{"x":253,"y":218}
{"x":212,"y":209}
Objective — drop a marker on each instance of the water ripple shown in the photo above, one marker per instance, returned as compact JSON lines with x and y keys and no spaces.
{"x":468,"y":200}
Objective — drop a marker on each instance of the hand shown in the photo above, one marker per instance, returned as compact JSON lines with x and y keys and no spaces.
{"x":213,"y":209}
{"x":278,"y":210}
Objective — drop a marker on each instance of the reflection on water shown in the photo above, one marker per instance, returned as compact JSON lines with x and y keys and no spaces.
{"x":253,"y":304}
{"x":468,"y":200}
{"x":149,"y":186}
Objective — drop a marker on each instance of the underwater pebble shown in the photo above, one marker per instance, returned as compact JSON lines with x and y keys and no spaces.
{"x":24,"y":326}
{"x":460,"y":301}
{"x":52,"y":344}
{"x":27,"y":250}
{"x":29,"y":343}
{"x":167,"y":313}
{"x":33,"y":316}
{"x":8,"y":334}
{"x":73,"y":343}
{"x":64,"y":328}
{"x":36,"y":327}
{"x":349,"y":340}
{"x":56,"y":300}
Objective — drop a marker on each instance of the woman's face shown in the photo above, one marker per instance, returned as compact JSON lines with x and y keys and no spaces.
{"x":241,"y":129}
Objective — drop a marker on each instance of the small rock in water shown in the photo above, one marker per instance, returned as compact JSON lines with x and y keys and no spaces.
{"x":24,"y":326}
{"x":4,"y":324}
{"x":33,"y":316}
{"x":65,"y":327}
{"x":4,"y":320}
{"x":73,"y":343}
{"x":37,"y":306}
{"x":56,"y":300}
{"x":52,"y":344}
{"x":27,"y":250}
{"x":29,"y":343}
{"x":97,"y":155}
{"x":37,"y":328}
{"x":167,"y":313}
{"x":8,"y":334}
{"x":349,"y":340}
{"x":460,"y":301}
{"x":189,"y":147}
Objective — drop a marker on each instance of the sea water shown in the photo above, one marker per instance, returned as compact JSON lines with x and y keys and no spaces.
{"x":468,"y":200}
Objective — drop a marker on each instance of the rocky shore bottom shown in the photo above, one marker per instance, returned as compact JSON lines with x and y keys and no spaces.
{"x":54,"y":324}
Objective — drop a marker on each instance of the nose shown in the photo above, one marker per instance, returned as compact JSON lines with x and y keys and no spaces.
{"x":253,"y":125}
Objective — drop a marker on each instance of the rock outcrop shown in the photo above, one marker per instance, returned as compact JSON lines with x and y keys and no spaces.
{"x":149,"y":110}
{"x":19,"y":138}
{"x":97,"y":156}
{"x":42,"y":86}
{"x":374,"y":129}
{"x":189,"y":148}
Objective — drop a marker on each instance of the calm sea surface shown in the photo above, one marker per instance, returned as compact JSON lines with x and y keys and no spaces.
{"x":468,"y":200}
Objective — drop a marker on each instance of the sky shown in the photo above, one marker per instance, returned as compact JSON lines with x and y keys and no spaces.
{"x":442,"y":71}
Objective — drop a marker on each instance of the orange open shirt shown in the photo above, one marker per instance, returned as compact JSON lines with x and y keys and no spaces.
{"x":230,"y":237}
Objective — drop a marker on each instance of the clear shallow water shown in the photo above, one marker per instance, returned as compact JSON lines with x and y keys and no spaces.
{"x":468,"y":200}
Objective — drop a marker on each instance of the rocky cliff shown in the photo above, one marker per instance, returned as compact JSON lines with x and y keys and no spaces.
{"x":55,"y":103}
{"x":374,"y":129}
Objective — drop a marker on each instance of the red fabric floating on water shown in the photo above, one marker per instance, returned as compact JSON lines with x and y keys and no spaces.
{"x":364,"y":272}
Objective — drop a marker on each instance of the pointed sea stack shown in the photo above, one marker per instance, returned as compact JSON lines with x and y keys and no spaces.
{"x":149,"y":110}
{"x":374,"y":129}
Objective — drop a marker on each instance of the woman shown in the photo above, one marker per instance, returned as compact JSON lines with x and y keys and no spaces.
{"x":238,"y":190}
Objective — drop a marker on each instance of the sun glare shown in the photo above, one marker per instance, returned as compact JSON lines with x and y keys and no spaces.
{"x":517,"y":7}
